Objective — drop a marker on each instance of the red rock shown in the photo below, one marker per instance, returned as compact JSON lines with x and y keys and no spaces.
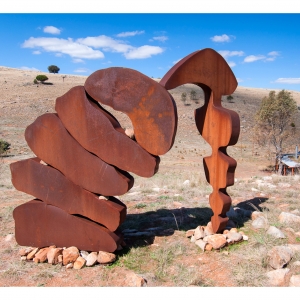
{"x":105,"y":257}
{"x":53,"y":254}
{"x":150,"y":107}
{"x":60,"y":259}
{"x":25,"y":251}
{"x":69,"y":266}
{"x":217,"y":241}
{"x":39,"y":225}
{"x":50,"y":141}
{"x":70,"y":255}
{"x":279,"y":256}
{"x":79,"y":263}
{"x":52,"y":187}
{"x":41,"y":255}
{"x":32,"y":253}
{"x":208,"y":247}
{"x":101,"y":134}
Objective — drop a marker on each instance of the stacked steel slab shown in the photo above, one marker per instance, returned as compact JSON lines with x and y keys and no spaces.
{"x":83,"y":153}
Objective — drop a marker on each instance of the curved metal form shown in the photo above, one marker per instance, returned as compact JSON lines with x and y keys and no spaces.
{"x":220,"y":127}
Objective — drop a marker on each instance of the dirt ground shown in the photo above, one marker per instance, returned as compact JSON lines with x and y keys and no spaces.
{"x":21,"y":102}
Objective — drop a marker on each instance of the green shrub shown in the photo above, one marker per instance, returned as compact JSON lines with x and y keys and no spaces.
{"x":35,"y":81}
{"x":41,"y":78}
{"x":4,"y":146}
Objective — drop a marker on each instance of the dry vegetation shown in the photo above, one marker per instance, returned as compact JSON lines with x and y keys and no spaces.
{"x":167,"y":257}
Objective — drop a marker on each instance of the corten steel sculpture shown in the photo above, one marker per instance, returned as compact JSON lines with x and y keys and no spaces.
{"x":220,"y":127}
{"x":83,"y":153}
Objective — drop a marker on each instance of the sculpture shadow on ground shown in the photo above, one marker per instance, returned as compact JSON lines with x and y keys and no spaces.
{"x":140,"y":229}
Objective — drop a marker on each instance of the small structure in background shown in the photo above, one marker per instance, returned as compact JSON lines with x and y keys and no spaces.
{"x":291,"y":163}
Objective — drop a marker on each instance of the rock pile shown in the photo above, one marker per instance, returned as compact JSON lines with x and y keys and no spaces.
{"x":70,"y":257}
{"x":204,"y":237}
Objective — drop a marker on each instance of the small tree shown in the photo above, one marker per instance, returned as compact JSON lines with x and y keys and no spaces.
{"x":193,"y":95}
{"x":229,"y":98}
{"x":41,"y":78}
{"x":53,"y":69}
{"x":276,"y":122}
{"x":4,"y":146}
{"x":183,"y":97}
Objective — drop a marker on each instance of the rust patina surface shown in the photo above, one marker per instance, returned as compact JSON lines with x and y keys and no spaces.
{"x":219,"y":126}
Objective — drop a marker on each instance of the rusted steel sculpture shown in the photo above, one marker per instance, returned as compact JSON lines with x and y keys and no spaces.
{"x":220,"y":127}
{"x":83,"y":154}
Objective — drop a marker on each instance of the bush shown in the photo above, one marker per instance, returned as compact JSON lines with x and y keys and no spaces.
{"x":35,"y":81}
{"x":53,"y":69}
{"x":229,"y":98}
{"x":4,"y":146}
{"x":193,"y":95}
{"x":183,"y":97}
{"x":41,"y":78}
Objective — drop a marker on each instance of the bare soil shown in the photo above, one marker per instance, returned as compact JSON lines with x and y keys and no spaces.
{"x":167,"y":258}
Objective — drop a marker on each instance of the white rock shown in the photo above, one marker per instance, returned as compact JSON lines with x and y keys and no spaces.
{"x":296,"y":263}
{"x":275,"y":232}
{"x":284,"y":185}
{"x":9,"y":237}
{"x":294,"y":247}
{"x":91,"y":259}
{"x":277,"y":277}
{"x":260,"y":222}
{"x":245,"y":238}
{"x":254,"y":190}
{"x":285,"y":217}
{"x":84,"y":254}
{"x":156,"y":189}
{"x":234,"y":236}
{"x":186,"y":183}
{"x":267,"y":178}
{"x":295,"y":281}
{"x":201,"y":244}
{"x":199,"y":233}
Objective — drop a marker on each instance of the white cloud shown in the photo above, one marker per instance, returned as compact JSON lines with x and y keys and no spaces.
{"x":51,"y":30}
{"x":288,"y":80}
{"x":81,"y":70}
{"x":231,"y":64}
{"x":77,"y":60}
{"x":37,"y":52}
{"x":63,"y":46}
{"x":106,"y":62}
{"x":145,"y":51}
{"x":106,"y":43}
{"x":252,"y":58}
{"x":274,"y":53}
{"x":130,"y":33}
{"x":239,"y":80}
{"x":221,"y":38}
{"x":29,"y":69}
{"x":227,"y":53}
{"x":161,"y":38}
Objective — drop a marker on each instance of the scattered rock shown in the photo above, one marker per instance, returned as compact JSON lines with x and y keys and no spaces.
{"x":296,"y":212}
{"x":277,"y":277}
{"x":245,"y":238}
{"x":23,"y":258}
{"x":294,"y":247}
{"x":70,"y":255}
{"x":69,"y":266}
{"x":208,"y":247}
{"x":79,"y":263}
{"x":260,"y":222}
{"x":91,"y":259}
{"x":233,"y":230}
{"x":208,"y":230}
{"x":254,"y":190}
{"x":189,"y":233}
{"x":105,"y":257}
{"x":193,"y":239}
{"x":84,"y":254}
{"x":290,"y":230}
{"x":284,"y":184}
{"x":134,"y":280}
{"x":234,"y":236}
{"x":295,"y":281}
{"x":60,"y":259}
{"x":199,"y":233}
{"x":186,"y":183}
{"x":201,"y":244}
{"x":285,"y":217}
{"x":32,"y":253}
{"x":275,"y":232}
{"x":225,"y":231}
{"x":41,"y":255}
{"x":9,"y":237}
{"x":279,"y":256}
{"x":296,"y":263}
{"x":53,"y":254}
{"x":156,"y":189}
{"x":256,"y":214}
{"x":217,"y":241}
{"x":25,"y":251}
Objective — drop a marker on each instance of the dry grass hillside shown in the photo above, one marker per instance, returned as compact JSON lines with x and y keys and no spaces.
{"x":165,"y":257}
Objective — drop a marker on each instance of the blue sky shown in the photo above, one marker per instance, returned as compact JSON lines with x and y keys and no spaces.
{"x":262,"y":49}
